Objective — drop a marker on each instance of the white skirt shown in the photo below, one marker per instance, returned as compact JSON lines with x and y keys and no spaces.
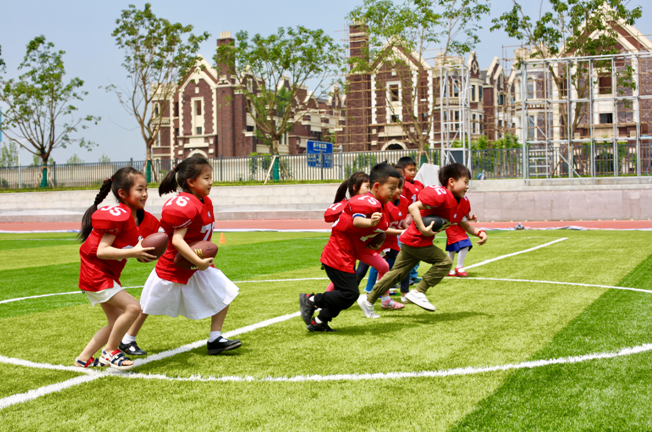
{"x":206,"y":293}
{"x":97,"y":297}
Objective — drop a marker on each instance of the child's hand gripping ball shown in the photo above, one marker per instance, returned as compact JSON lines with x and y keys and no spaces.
{"x":376,"y":241}
{"x":203,"y":249}
{"x":159,"y":241}
{"x":440,"y":223}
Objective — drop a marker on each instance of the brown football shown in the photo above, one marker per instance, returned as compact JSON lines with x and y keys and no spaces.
{"x":203,"y":249}
{"x":159,"y":241}
{"x":376,"y":241}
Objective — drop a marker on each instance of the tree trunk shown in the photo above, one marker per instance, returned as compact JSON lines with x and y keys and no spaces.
{"x":275,"y":169}
{"x":44,"y":171}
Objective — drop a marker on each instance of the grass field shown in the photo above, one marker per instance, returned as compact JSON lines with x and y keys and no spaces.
{"x":408,"y":370}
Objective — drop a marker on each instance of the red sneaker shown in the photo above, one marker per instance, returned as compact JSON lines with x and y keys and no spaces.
{"x":452,"y":273}
{"x":459,"y":272}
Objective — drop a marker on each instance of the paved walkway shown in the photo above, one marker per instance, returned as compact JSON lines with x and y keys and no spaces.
{"x":321,"y":225}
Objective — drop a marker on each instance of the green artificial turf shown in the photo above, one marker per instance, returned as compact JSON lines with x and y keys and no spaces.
{"x":477,"y":323}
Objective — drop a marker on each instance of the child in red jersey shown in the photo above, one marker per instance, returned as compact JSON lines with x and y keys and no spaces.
{"x":447,"y":201}
{"x":363,"y":218}
{"x":196,"y":294}
{"x":111,"y":235}
{"x":411,"y":191}
{"x":398,"y":211}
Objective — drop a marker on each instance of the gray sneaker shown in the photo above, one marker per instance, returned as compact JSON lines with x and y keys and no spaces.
{"x":420,"y":300}
{"x":367,"y":308}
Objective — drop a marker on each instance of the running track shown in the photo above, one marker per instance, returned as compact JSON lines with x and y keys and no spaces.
{"x":319,"y":224}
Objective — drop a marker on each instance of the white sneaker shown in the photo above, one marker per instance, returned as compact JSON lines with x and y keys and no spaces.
{"x":367,"y":308}
{"x":404,"y":299}
{"x":420,"y":300}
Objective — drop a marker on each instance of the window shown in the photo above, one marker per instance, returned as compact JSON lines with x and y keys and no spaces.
{"x":176,"y":132}
{"x":563,"y":88}
{"x":606,"y":118}
{"x":604,"y":85}
{"x":456,"y":89}
{"x":250,"y":128}
{"x":501,"y":99}
{"x":530,"y":128}
{"x":530,"y":89}
{"x":198,"y":108}
{"x":479,"y":94}
{"x":395,"y":118}
{"x":198,"y":130}
{"x":500,"y":123}
{"x":473,"y":124}
{"x":424,"y":116}
{"x":156,"y":110}
{"x":176,"y":109}
{"x":393,"y":93}
{"x":457,"y":116}
{"x":158,"y":140}
{"x":473,"y":93}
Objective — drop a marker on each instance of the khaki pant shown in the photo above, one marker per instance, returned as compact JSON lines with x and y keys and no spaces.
{"x":407,"y":258}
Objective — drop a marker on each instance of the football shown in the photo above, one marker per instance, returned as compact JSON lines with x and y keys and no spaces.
{"x":376,"y":241}
{"x":203,"y":249}
{"x":159,"y":241}
{"x":439,"y":222}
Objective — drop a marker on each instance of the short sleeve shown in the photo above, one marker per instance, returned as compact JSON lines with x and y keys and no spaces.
{"x":432,"y":196}
{"x":149,"y":225}
{"x":110,"y":220}
{"x":179,"y":212}
{"x":333,"y":212}
{"x":364,"y":205}
{"x":395,"y":213}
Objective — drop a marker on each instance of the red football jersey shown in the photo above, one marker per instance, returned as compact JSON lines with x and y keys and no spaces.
{"x":397,"y":214}
{"x":184,"y":211}
{"x":455,"y":233}
{"x":444,"y":205}
{"x":149,"y":225}
{"x":347,"y":242}
{"x":333,"y":212}
{"x":411,"y":191}
{"x":97,"y":274}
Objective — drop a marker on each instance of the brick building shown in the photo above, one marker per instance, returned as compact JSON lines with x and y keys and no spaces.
{"x":207,"y":115}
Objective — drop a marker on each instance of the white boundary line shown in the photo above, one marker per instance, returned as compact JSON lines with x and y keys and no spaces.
{"x":306,"y":279}
{"x":560,"y":283}
{"x":42,"y":391}
{"x":401,"y":375}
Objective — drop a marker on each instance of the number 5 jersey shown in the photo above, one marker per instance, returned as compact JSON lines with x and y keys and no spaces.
{"x":184,"y":211}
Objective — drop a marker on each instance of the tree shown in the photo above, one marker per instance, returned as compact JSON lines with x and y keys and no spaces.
{"x":572,"y":28}
{"x":274,"y":73}
{"x":104,"y":159}
{"x":158,"y":55}
{"x":74,"y":160}
{"x":9,"y":155}
{"x":39,"y":114}
{"x":399,"y":37}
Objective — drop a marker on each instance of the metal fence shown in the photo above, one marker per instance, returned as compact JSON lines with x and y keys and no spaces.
{"x":584,"y":160}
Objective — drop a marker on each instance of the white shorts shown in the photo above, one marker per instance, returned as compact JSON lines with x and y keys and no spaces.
{"x":103,"y":296}
{"x":206,"y":293}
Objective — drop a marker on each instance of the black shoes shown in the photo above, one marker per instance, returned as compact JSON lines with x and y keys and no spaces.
{"x":322,"y":327}
{"x":131,"y":349}
{"x":307,"y":308}
{"x":221,"y":344}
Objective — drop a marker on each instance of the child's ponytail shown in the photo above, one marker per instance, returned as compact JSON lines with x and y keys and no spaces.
{"x":177,"y":178}
{"x":169,"y":183}
{"x":341,"y":191}
{"x":87,"y":220}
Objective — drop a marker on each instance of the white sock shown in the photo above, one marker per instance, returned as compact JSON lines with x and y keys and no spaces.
{"x":317,"y":320}
{"x":460,"y":257}
{"x":214,"y":335}
{"x":128,"y":339}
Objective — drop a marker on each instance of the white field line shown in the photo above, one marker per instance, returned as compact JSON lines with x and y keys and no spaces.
{"x":42,"y":391}
{"x":515,"y":253}
{"x":561,"y":283}
{"x":306,"y":279}
{"x":400,"y":375}
{"x":27,"y":363}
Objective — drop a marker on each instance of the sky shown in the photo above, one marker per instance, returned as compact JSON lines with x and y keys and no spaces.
{"x":83,"y":30}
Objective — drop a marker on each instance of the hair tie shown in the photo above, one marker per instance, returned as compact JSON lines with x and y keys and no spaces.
{"x":176,"y":168}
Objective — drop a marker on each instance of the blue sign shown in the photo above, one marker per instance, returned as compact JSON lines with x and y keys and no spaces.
{"x":318,"y":151}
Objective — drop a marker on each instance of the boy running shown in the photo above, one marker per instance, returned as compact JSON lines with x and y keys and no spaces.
{"x":447,"y":201}
{"x":363,"y":218}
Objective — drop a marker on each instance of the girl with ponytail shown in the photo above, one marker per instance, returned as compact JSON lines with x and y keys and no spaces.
{"x":110,"y":235}
{"x":357,"y":184}
{"x":202,"y":291}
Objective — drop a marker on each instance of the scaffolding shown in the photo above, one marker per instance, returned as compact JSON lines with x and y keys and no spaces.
{"x":586,"y":116}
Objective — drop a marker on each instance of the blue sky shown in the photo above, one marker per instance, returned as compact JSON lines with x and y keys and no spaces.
{"x":83,"y":29}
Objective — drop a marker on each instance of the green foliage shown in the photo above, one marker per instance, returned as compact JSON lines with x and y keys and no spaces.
{"x":481,"y":144}
{"x":74,"y":160}
{"x":362,"y":162}
{"x":105,"y":159}
{"x":158,"y":55}
{"x":273,"y":74}
{"x":40,"y":115}
{"x":509,"y":141}
{"x":9,"y":155}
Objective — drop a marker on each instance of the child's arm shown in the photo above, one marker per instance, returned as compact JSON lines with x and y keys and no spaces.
{"x":107,"y":252}
{"x":360,"y":222}
{"x":180,"y":244}
{"x":415,"y":211}
{"x":393,"y":232}
{"x":474,"y":231}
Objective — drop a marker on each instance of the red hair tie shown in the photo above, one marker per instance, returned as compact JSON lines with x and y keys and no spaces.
{"x":176,"y":168}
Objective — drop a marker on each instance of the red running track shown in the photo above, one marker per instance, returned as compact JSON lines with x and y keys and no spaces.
{"x":319,"y":224}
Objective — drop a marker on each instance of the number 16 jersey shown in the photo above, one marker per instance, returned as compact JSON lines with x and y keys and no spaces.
{"x":184,"y":211}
